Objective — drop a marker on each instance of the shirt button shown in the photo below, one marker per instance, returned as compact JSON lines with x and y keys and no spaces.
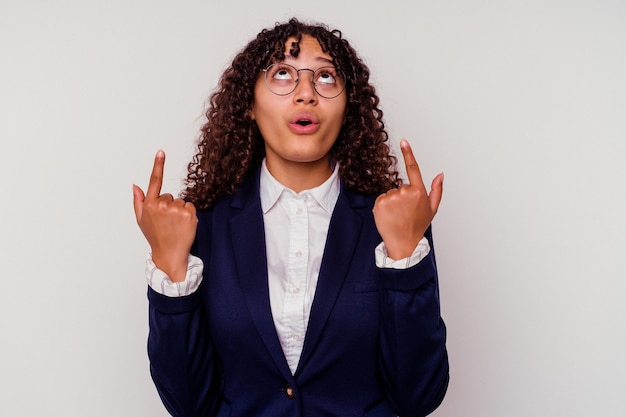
{"x":290,"y":392}
{"x":299,"y":211}
{"x":299,"y":254}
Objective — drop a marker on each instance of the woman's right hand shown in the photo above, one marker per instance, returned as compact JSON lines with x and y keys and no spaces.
{"x":168,"y":224}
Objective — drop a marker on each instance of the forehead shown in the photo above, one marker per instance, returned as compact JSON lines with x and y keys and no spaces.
{"x":309,"y":47}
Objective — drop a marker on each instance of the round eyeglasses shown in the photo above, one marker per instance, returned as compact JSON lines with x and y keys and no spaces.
{"x":282,"y":79}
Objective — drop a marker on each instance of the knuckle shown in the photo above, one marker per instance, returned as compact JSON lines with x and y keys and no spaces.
{"x":187,"y":215}
{"x":150,"y":205}
{"x":394,"y":191}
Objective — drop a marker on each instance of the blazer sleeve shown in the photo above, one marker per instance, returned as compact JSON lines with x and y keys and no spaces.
{"x":413,"y":356}
{"x":183,"y":362}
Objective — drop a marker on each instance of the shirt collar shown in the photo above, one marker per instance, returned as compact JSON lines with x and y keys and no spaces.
{"x":325,"y":194}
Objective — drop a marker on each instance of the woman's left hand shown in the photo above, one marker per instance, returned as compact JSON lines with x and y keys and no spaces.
{"x":402,"y":215}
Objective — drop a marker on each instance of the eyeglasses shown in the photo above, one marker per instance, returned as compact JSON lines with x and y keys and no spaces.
{"x":282,"y":79}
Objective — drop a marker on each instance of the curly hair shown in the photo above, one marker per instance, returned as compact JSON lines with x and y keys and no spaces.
{"x":230,"y":145}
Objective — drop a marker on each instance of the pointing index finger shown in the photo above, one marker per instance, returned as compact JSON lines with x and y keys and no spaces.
{"x":156,"y":177}
{"x":412,"y":169}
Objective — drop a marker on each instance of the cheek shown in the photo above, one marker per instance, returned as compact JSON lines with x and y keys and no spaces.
{"x":342,"y":106}
{"x":258,"y":100}
{"x":342,"y":112}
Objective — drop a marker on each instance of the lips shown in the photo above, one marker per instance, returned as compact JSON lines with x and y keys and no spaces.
{"x":304,"y":123}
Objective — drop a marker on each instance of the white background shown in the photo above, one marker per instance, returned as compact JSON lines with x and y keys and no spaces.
{"x":521,"y":103}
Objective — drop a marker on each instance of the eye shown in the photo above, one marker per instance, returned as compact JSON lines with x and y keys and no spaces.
{"x":326,"y":75}
{"x":282,"y":75}
{"x":282,"y":72}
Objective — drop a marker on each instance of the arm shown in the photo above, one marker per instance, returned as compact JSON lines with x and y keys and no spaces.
{"x":183,"y":364}
{"x":182,"y":360}
{"x":413,"y":360}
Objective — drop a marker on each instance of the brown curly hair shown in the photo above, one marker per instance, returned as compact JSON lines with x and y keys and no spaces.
{"x":230,"y":146}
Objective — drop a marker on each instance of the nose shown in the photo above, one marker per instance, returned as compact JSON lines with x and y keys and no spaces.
{"x":305,"y":91}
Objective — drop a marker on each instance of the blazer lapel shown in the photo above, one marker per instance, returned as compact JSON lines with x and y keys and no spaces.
{"x":344,"y":229}
{"x":248,"y":237}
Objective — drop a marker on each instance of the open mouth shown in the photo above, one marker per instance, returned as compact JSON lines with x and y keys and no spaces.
{"x":304,"y":123}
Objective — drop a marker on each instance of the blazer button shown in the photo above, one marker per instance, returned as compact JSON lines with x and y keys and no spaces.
{"x":290,"y":392}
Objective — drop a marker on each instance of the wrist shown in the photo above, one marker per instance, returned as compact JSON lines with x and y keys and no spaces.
{"x":174,"y":267}
{"x":401,"y":250}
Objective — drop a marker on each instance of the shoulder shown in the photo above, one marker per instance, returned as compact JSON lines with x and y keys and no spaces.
{"x":357,"y":200}
{"x":245,"y":196}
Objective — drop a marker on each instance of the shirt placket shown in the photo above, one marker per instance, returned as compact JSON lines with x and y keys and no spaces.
{"x":294,"y":314}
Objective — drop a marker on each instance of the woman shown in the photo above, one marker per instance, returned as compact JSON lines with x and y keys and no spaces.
{"x":312,"y":288}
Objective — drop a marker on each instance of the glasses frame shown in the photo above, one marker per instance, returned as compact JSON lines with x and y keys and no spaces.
{"x":297,"y":80}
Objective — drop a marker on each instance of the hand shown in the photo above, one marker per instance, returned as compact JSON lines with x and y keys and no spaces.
{"x":168,"y":224}
{"x":402,"y":215}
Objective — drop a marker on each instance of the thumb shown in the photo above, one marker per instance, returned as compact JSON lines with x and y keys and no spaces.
{"x":138,"y":198}
{"x":436,"y":192}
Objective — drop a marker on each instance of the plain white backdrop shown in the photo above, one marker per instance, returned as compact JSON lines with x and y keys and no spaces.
{"x":521,"y":103}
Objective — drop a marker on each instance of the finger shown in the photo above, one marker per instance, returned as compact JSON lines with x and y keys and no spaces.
{"x":192,"y":209}
{"x":156,"y":178}
{"x":138,"y":199}
{"x":412,"y":169}
{"x":186,"y":205}
{"x":436,"y":193}
{"x":167,"y":198}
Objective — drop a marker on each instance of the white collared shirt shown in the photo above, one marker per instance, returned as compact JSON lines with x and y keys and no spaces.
{"x":296,"y":226}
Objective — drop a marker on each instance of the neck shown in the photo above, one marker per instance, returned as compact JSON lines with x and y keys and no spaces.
{"x":300,"y":176}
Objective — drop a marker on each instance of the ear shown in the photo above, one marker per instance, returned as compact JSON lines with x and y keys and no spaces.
{"x":251,"y":114}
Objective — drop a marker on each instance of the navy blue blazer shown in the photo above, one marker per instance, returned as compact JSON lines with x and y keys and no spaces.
{"x":375,"y":342}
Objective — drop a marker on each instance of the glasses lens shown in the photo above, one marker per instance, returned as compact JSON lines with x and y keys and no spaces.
{"x":328,"y":82}
{"x":281,"y":78}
